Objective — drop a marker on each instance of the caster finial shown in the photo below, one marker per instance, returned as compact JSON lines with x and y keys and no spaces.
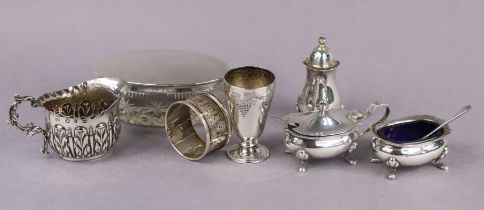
{"x":322,"y":42}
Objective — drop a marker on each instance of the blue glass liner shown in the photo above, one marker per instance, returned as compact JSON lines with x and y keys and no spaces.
{"x":408,"y":132}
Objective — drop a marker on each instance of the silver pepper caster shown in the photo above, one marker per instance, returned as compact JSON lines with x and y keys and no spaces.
{"x":320,"y":66}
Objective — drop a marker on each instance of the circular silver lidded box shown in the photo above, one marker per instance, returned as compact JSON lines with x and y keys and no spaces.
{"x":158,"y":78}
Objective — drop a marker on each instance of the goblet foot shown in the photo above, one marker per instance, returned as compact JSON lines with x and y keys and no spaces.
{"x":255,"y":154}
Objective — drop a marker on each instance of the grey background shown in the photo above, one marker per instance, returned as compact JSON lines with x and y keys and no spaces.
{"x":419,"y":57}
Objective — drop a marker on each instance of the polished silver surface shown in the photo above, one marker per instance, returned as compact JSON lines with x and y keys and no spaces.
{"x":320,"y":80}
{"x":81,"y":122}
{"x":182,"y":134}
{"x":320,"y":57}
{"x":414,"y":153}
{"x":249,"y":92}
{"x":326,"y":133}
{"x":147,"y":104}
{"x":158,"y":78}
{"x":320,"y":123}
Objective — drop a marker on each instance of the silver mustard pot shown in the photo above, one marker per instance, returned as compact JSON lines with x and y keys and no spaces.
{"x":326,"y":133}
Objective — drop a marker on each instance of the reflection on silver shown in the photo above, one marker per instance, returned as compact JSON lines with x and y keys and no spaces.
{"x":182,"y":134}
{"x":412,"y":153}
{"x":81,"y":121}
{"x":147,"y":104}
{"x":309,"y":135}
{"x":158,"y":78}
{"x":320,"y":81}
{"x":249,"y":93}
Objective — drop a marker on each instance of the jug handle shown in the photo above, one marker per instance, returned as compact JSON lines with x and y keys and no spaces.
{"x":357,"y":116}
{"x":30,"y":129}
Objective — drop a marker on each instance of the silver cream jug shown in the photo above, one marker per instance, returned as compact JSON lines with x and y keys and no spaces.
{"x":81,"y":122}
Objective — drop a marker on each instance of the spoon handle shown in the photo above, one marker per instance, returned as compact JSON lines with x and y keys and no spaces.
{"x":460,"y":113}
{"x":283,"y":121}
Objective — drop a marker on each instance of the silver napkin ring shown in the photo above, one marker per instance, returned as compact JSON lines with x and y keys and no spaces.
{"x":181,"y":131}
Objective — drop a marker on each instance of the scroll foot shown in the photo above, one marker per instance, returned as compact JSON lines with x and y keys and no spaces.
{"x":441,"y":166}
{"x":393,"y":164}
{"x":374,"y":158}
{"x":392,"y":174}
{"x":44,"y":151}
{"x":347,"y":154}
{"x":303,"y":156}
{"x":45,"y":148}
{"x":439,"y":163}
{"x":349,"y":159}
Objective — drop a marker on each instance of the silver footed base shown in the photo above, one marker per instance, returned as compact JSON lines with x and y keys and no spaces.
{"x":97,"y":157}
{"x":256,"y":154}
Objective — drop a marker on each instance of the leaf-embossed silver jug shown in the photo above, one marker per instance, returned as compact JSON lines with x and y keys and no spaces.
{"x":81,"y":122}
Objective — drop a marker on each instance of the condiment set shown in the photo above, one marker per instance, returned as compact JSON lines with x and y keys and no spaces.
{"x":83,"y":121}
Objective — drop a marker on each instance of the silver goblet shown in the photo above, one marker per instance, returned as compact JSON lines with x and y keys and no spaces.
{"x":249,"y":93}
